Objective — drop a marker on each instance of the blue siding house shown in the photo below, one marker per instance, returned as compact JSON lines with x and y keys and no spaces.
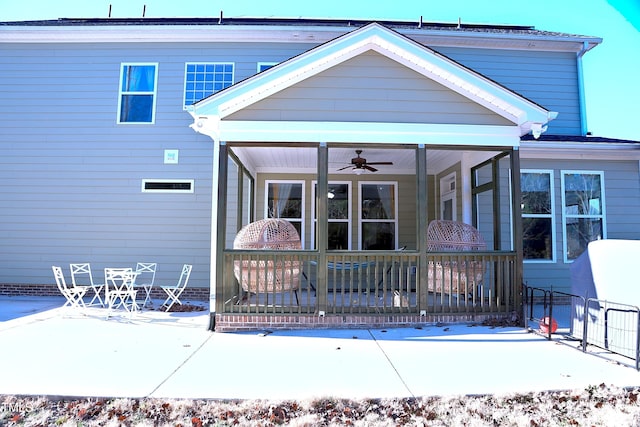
{"x":159,"y":140}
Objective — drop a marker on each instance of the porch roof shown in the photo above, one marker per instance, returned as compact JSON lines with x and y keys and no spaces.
{"x":212,"y":115}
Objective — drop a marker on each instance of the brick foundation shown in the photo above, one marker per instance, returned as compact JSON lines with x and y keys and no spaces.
{"x":243,"y":322}
{"x":20,"y":289}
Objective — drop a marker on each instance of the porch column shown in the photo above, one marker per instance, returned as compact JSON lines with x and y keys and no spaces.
{"x":323,"y":227}
{"x":517,"y":227}
{"x":218,"y":225}
{"x":422,"y":223}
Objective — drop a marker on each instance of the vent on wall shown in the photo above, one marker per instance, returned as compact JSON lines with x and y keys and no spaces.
{"x":167,"y":186}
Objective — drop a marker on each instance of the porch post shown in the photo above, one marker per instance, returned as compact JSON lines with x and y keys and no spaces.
{"x":323,"y":227}
{"x":422,"y":223}
{"x":517,"y":227}
{"x":218,"y":232}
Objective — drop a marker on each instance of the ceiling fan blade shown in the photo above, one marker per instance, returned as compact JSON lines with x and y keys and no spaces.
{"x":346,"y":167}
{"x":380,"y":163}
{"x":370,"y":168}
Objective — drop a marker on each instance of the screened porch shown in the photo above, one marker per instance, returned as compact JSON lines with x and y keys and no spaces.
{"x":363,"y":242}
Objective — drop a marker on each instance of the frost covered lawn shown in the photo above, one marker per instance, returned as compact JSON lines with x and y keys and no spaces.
{"x":597,"y":405}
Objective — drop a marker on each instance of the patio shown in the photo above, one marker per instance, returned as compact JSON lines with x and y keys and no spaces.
{"x":173,"y":355}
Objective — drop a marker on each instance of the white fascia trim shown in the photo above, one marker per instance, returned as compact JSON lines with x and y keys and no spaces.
{"x":253,"y":91}
{"x":281,"y":34}
{"x":449,"y":74}
{"x":406,"y":52}
{"x":349,"y":132}
{"x":579,"y":150}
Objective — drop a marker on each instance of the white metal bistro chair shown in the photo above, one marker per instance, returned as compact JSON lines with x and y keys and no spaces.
{"x":119,"y":291}
{"x":73,"y":295}
{"x":81,"y":277}
{"x":174,"y":292}
{"x":145,"y":276}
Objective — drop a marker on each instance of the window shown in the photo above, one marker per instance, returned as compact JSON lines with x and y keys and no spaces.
{"x":378,"y":216}
{"x":167,"y":186}
{"x":339,"y":215}
{"x":285,"y":199}
{"x":538,"y":229}
{"x":265,"y":66}
{"x":204,"y":79}
{"x":448,"y":197}
{"x":137,"y":97}
{"x":582,"y":211}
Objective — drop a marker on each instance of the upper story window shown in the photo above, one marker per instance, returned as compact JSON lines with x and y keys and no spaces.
{"x":583,"y":211}
{"x":204,"y":79}
{"x":265,"y":66}
{"x":538,"y":228}
{"x":137,"y":94}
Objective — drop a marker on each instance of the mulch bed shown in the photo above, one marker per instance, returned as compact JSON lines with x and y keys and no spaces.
{"x":597,"y":405}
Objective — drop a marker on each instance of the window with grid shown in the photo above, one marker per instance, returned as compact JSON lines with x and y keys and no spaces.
{"x":583,"y":211}
{"x":285,"y":200}
{"x":536,"y":203}
{"x":204,"y":79}
{"x":262,"y":66}
{"x":378,"y":215}
{"x":137,"y":94}
{"x":339,"y":215}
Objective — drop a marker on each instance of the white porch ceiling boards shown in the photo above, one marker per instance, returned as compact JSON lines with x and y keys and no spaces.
{"x":303,"y":159}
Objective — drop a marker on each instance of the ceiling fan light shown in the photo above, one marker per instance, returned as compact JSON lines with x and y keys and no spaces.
{"x":358,"y":171}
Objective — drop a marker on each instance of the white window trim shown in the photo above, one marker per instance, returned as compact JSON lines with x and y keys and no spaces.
{"x":552,"y":216}
{"x":184,"y":86}
{"x":361,"y":221}
{"x":602,"y":216}
{"x":449,"y":195}
{"x":349,"y":220}
{"x":155,"y":92}
{"x":190,"y":181}
{"x":266,"y":202}
{"x":264,"y":64}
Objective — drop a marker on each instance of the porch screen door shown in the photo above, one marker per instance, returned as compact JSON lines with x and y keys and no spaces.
{"x":490,"y":180}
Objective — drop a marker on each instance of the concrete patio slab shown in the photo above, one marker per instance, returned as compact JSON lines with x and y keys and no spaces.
{"x":173,"y":355}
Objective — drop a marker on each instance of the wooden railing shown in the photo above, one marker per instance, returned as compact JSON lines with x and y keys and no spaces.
{"x":382,"y":282}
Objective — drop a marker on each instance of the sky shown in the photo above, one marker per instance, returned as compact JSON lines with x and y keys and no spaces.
{"x":611,"y":70}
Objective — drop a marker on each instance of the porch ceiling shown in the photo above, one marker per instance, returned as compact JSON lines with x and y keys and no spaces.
{"x":303,"y":159}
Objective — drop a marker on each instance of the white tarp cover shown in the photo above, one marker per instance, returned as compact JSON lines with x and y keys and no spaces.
{"x":606,"y":272}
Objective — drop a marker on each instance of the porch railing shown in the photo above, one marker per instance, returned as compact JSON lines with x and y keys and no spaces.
{"x":294,"y":282}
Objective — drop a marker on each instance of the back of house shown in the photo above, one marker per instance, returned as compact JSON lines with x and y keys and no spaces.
{"x":113,"y":131}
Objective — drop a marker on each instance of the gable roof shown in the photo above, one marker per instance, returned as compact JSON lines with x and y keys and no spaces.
{"x":524,"y":114}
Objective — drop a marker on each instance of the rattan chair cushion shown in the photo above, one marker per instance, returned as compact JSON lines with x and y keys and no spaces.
{"x":273,"y":274}
{"x":454,"y":277}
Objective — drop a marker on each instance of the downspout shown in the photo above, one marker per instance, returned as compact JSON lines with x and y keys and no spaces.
{"x":208,"y":126}
{"x":581,"y":95}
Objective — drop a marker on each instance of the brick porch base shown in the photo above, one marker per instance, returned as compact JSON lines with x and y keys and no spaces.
{"x":242,"y":322}
{"x":20,"y":289}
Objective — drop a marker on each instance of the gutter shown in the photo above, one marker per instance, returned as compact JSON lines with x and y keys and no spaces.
{"x":581,"y":93}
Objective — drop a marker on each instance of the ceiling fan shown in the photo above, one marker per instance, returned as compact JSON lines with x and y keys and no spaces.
{"x":359,"y":164}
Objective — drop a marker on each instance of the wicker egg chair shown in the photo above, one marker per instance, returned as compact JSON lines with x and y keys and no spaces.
{"x":454,"y":277}
{"x":272,"y":275}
